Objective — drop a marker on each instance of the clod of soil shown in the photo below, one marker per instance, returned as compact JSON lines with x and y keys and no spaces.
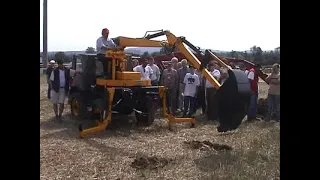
{"x":207,"y":145}
{"x":151,"y":163}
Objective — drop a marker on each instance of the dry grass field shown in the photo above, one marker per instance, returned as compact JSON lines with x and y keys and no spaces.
{"x":155,"y":152}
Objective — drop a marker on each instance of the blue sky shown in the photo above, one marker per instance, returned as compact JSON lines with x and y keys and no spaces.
{"x":215,"y":24}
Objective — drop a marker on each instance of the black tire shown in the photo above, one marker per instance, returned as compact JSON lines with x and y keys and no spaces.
{"x":76,"y":107}
{"x":148,"y":116}
{"x":232,"y":102}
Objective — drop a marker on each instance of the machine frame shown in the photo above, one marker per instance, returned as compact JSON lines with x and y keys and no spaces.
{"x":125,"y":79}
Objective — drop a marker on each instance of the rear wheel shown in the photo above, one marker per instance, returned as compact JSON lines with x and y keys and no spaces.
{"x":147,"y":116}
{"x":76,"y":106}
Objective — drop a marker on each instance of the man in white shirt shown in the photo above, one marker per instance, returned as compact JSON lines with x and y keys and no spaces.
{"x":191,"y":81}
{"x":211,"y":91}
{"x":155,"y":76}
{"x":102,"y":44}
{"x":145,"y":70}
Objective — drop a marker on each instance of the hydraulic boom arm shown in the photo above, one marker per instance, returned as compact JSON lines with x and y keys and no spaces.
{"x":172,"y":43}
{"x":233,"y":96}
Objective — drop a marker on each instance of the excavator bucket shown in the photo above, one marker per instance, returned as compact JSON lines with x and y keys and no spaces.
{"x":233,"y":99}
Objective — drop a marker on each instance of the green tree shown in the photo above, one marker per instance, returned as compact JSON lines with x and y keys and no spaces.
{"x":60,"y":56}
{"x":90,"y":50}
{"x":145,"y":54}
{"x":245,"y":55}
{"x":157,"y":53}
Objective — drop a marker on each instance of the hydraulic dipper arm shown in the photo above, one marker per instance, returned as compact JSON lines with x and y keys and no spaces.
{"x":172,"y":42}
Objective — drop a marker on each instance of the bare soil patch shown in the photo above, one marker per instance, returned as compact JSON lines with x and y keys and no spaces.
{"x":207,"y":145}
{"x":151,"y":163}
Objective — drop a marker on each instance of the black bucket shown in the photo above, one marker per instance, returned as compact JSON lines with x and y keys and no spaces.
{"x":233,"y":98}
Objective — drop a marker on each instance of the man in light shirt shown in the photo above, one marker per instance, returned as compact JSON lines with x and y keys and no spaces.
{"x":145,"y":70}
{"x":170,"y":81}
{"x":174,"y":62}
{"x":210,"y":93}
{"x":102,"y":44}
{"x":191,"y":81}
{"x":274,"y":93}
{"x":155,"y":76}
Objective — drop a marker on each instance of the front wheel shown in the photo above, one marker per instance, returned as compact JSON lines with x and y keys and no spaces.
{"x":75,"y":106}
{"x":147,"y":117}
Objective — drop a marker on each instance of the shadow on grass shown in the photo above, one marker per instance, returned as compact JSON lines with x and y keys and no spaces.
{"x":121,"y":125}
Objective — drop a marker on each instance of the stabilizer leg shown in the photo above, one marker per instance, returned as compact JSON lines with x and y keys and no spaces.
{"x":170,"y":117}
{"x":103,"y":125}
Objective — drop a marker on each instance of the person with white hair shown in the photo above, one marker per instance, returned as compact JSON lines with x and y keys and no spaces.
{"x":174,"y":62}
{"x":179,"y":65}
{"x":274,"y":93}
{"x":170,"y":81}
{"x":48,"y":73}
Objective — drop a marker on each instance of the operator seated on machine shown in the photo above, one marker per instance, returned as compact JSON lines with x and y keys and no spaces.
{"x":103,"y":43}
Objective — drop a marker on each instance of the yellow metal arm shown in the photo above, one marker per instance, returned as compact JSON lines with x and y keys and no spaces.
{"x":138,"y":42}
{"x":172,"y":41}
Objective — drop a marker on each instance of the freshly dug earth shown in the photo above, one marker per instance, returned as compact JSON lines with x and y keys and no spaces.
{"x":143,"y":162}
{"x":207,"y":145}
{"x":126,"y":152}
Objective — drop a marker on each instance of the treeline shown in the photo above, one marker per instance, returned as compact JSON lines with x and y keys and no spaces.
{"x":255,"y":55}
{"x":65,"y":57}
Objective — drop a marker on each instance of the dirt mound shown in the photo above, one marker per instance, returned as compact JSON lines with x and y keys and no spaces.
{"x":207,"y":145}
{"x":153,"y":162}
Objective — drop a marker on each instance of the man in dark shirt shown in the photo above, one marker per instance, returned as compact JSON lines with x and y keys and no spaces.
{"x":48,"y":73}
{"x":201,"y":93}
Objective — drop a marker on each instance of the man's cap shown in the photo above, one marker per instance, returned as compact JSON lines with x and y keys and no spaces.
{"x":52,"y":62}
